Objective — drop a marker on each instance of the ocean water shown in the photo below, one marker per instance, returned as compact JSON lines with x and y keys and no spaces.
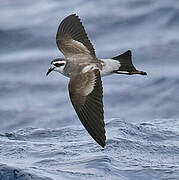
{"x":41,"y":137}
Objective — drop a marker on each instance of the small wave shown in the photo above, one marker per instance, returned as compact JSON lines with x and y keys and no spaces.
{"x":11,"y":173}
{"x":132,"y":149}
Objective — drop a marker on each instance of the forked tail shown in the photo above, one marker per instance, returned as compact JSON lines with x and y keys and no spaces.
{"x":125,"y":60}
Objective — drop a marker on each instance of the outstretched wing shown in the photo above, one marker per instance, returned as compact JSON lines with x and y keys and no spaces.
{"x":86,"y":94}
{"x":73,"y":41}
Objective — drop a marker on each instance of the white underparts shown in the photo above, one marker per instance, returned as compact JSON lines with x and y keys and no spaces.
{"x":109,"y":66}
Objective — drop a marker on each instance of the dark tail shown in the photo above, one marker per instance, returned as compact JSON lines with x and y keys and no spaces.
{"x":125,"y":60}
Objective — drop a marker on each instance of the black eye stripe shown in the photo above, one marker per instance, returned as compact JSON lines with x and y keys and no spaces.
{"x":59,"y":64}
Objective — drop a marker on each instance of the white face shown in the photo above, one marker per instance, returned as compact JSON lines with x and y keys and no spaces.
{"x":58,"y":66}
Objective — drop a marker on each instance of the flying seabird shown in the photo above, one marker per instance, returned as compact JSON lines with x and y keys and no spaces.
{"x":85,"y":71}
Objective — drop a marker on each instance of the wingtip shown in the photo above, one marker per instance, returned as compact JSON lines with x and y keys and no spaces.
{"x":129,"y":51}
{"x":74,"y":15}
{"x":103,"y":145}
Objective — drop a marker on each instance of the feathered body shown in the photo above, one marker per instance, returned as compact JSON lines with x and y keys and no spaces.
{"x":85,"y":71}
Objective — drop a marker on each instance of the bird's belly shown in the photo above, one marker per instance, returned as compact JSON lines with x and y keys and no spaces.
{"x":109,"y":66}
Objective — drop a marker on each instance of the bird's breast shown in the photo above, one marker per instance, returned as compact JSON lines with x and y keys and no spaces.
{"x":69,"y":69}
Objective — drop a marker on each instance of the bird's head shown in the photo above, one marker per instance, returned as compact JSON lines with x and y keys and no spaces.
{"x":57,"y":65}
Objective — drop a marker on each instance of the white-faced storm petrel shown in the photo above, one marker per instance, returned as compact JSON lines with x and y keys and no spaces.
{"x":85,"y":70}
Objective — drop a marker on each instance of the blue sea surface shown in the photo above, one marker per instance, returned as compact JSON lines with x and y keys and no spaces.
{"x":41,"y":137}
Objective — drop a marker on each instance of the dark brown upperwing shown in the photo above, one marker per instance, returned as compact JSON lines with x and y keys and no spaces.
{"x":72,"y":39}
{"x":86,"y":94}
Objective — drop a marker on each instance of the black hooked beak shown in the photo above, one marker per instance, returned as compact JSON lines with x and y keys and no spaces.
{"x":50,"y":70}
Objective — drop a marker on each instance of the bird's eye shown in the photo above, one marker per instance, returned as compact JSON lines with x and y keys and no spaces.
{"x":59,"y":64}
